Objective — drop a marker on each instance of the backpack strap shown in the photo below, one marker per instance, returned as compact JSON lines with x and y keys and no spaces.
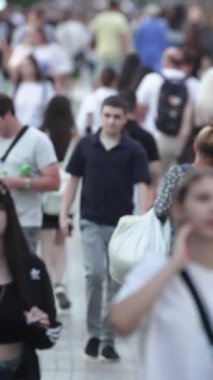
{"x":178,"y":80}
{"x":187,"y":76}
{"x":14,"y":142}
{"x":205,"y":319}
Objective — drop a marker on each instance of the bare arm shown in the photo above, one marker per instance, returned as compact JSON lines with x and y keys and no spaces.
{"x":67,"y":201}
{"x":141,"y":111}
{"x":49,"y":180}
{"x":186,"y":125}
{"x":126,"y":314}
{"x":155,"y":170}
{"x":143,"y":196}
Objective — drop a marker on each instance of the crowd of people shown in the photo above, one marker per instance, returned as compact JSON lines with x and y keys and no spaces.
{"x":140,"y":135}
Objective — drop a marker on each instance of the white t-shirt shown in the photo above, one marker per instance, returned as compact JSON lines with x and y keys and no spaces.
{"x":51,"y":58}
{"x":35,"y":149}
{"x":73,"y":36}
{"x":92,"y":105}
{"x":30,"y":109}
{"x":148,"y":94}
{"x":19,"y":53}
{"x":173,"y":342}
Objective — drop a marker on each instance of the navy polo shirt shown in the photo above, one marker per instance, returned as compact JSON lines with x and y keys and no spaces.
{"x":108,"y":177}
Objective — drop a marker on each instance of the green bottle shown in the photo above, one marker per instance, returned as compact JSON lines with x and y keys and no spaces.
{"x":25,"y":170}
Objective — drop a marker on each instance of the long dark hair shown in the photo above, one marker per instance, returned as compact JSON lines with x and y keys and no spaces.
{"x":132,"y":73}
{"x":38,"y":74}
{"x":16,"y":249}
{"x":59,"y":124}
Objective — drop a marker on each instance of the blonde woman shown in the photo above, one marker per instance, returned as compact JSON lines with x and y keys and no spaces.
{"x":175,"y":342}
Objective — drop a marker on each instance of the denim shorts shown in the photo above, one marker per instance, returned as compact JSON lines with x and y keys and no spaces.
{"x":11,"y":370}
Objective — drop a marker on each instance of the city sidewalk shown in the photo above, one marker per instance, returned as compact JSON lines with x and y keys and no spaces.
{"x":67,"y":361}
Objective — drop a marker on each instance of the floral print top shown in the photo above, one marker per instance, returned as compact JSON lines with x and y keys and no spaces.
{"x":172,"y":179}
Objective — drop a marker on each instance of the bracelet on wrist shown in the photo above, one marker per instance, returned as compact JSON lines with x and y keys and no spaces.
{"x":27,"y":184}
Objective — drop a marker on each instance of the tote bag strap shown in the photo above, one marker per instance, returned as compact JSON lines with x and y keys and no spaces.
{"x":204,"y":316}
{"x":69,"y":152}
{"x":14,"y":142}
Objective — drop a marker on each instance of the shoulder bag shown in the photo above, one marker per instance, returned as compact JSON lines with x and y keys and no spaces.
{"x":13,"y":143}
{"x":51,"y":200}
{"x":134,"y":238}
{"x":201,"y":307}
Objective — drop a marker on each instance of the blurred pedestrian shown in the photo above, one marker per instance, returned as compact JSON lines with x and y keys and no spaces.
{"x":150,"y":37}
{"x":165,"y":106}
{"x":27,"y":310}
{"x":203,"y":107}
{"x":28,"y":167}
{"x":203,"y":158}
{"x":50,"y":56}
{"x":88,"y":116}
{"x":147,"y":141}
{"x":111,"y":47}
{"x":36,"y":17}
{"x":171,"y":298}
{"x":30,"y":109}
{"x":59,"y":126}
{"x":132,"y":73}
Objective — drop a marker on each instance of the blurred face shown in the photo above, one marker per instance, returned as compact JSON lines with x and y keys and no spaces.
{"x":198,"y":207}
{"x":112,"y":120}
{"x":35,"y":37}
{"x":3,"y":126}
{"x":27,"y":69}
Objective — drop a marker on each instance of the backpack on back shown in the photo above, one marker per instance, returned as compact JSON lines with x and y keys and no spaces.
{"x":172,"y":101}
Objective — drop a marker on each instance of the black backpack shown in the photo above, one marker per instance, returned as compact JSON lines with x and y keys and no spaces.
{"x":172,"y":101}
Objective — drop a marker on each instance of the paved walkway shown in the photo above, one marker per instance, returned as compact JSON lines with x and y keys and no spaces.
{"x":67,"y":361}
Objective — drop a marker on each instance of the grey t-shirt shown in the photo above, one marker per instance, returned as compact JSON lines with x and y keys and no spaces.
{"x":36,"y":150}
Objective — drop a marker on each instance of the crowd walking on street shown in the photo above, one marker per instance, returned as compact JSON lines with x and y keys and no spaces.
{"x":105,"y":119}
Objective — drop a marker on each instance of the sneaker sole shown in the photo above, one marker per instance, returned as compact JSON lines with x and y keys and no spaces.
{"x":89,"y":357}
{"x":106,"y":360}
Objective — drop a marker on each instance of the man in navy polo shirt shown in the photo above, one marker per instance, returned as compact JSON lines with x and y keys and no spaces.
{"x":110,"y":164}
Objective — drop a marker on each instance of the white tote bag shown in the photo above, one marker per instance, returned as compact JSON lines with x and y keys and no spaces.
{"x":51,"y":200}
{"x":134,"y":238}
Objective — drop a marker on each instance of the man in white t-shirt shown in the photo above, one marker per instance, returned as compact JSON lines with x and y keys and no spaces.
{"x":88,"y":117}
{"x":148,"y":98}
{"x":72,"y":34}
{"x":29,"y":169}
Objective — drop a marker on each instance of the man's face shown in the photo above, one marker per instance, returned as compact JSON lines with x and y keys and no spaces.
{"x":112,"y":120}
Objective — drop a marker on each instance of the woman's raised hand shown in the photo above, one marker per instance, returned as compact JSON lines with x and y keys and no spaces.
{"x":181,"y":250}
